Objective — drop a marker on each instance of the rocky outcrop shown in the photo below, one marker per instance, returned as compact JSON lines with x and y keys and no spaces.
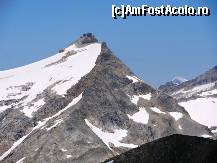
{"x":175,"y":148}
{"x":85,"y":39}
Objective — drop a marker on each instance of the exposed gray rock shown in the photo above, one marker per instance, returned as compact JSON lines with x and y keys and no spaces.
{"x":106,"y":103}
{"x":85,"y":39}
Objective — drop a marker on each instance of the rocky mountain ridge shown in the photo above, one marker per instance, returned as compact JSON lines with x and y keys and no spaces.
{"x":83,"y":105}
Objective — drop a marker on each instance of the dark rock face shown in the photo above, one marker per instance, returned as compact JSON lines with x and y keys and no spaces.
{"x":175,"y":148}
{"x":85,"y":39}
{"x":107,"y":103}
{"x":167,"y":87}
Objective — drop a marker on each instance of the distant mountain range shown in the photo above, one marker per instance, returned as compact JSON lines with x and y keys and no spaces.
{"x":198,"y":96}
{"x":172,"y":84}
{"x":84,"y":105}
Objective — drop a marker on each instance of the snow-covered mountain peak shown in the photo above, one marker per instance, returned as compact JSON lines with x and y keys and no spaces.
{"x":83,"y":97}
{"x":179,"y":80}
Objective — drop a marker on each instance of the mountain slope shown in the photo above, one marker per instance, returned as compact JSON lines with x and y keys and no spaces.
{"x":199,"y":97}
{"x":175,"y":148}
{"x":83,"y":104}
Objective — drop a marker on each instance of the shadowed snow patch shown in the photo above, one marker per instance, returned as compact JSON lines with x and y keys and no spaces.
{"x":111,"y":161}
{"x":206,"y":136}
{"x":157,"y":110}
{"x":21,"y":160}
{"x":68,"y":156}
{"x":64,"y":150}
{"x":176,"y":115}
{"x":133,"y":78}
{"x":57,"y":122}
{"x":141,"y":116}
{"x":180,"y":127}
{"x":113,"y":138}
{"x":35,"y":106}
{"x":135,"y":98}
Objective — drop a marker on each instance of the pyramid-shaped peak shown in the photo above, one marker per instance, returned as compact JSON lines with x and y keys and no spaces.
{"x":86,"y":38}
{"x":178,"y":80}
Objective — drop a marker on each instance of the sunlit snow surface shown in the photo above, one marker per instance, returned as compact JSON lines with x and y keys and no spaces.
{"x":135,"y":98}
{"x":68,"y":156}
{"x":64,"y":150}
{"x":157,"y":110}
{"x":202,"y":110}
{"x":21,"y":160}
{"x":141,"y":116}
{"x":206,"y":136}
{"x":35,"y":106}
{"x":133,"y":78}
{"x":61,"y":71}
{"x":57,"y":122}
{"x":114,"y":138}
{"x":176,"y":115}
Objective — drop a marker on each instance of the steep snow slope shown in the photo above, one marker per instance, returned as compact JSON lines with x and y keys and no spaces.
{"x":203,"y":110}
{"x":59,"y":72}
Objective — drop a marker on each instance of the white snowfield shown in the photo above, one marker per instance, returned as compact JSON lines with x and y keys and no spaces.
{"x":60,"y":72}
{"x":40,"y":125}
{"x":202,"y":110}
{"x":176,"y":115}
{"x":134,"y":79}
{"x":135,"y":98}
{"x":141,"y":116}
{"x":113,"y":138}
{"x":157,"y":110}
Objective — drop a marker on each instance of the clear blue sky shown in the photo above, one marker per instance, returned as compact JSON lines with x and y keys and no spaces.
{"x":155,"y":48}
